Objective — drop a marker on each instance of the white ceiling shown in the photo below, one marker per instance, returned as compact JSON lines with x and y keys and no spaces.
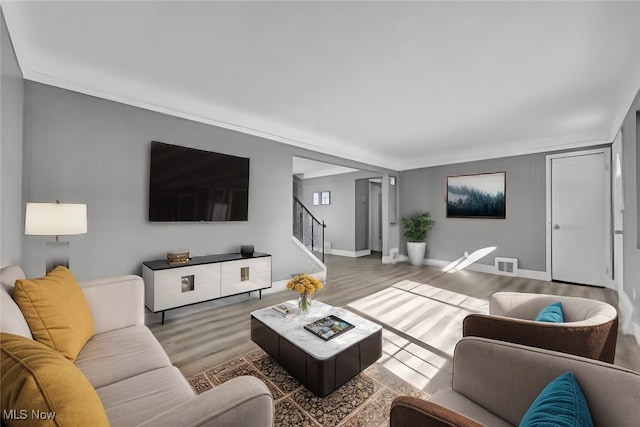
{"x":307,"y":168}
{"x":393,"y":84}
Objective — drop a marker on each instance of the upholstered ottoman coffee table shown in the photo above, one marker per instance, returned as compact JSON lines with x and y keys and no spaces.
{"x":321,"y":365}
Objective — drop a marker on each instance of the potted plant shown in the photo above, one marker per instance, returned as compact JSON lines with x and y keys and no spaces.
{"x":415,"y":230}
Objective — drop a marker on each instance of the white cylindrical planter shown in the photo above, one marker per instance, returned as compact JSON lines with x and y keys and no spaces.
{"x":415,"y":250}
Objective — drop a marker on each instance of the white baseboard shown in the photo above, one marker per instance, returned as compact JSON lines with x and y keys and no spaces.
{"x":491,"y":269}
{"x":534,"y":274}
{"x":401,"y":258}
{"x":350,"y":254}
{"x":393,"y":257}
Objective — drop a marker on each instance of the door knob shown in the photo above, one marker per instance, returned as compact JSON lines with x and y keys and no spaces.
{"x":556,"y":227}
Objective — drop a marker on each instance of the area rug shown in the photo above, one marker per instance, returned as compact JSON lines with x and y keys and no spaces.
{"x":363,"y":401}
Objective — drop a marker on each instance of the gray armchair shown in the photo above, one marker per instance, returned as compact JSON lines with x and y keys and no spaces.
{"x":590,"y":328}
{"x":495,"y":382}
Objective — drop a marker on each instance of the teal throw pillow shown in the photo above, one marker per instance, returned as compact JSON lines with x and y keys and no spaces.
{"x":560,"y":404}
{"x":551,"y":313}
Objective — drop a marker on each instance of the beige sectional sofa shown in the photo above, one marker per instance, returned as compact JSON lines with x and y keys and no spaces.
{"x":131,"y":373}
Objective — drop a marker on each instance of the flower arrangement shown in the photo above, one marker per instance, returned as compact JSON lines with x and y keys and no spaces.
{"x":304,"y":285}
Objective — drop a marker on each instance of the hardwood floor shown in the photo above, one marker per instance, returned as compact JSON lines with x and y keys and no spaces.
{"x":207,"y":338}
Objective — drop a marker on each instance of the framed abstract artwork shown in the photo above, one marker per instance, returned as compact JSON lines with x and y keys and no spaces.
{"x":477,"y":196}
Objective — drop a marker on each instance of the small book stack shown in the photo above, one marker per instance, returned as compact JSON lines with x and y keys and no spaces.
{"x":282,"y":309}
{"x":178,"y":258}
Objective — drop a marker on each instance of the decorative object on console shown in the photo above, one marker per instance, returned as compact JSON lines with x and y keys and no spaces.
{"x":477,"y":196}
{"x":56,"y":219}
{"x":415,"y":230}
{"x":178,"y":258}
{"x":304,"y":285}
{"x":246,"y":250}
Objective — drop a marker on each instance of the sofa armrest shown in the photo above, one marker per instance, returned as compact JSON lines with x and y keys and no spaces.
{"x":115,"y":302}
{"x":592,"y":341}
{"x":409,"y":411}
{"x":242,"y":401}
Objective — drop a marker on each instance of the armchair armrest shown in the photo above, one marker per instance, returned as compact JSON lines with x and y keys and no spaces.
{"x":242,"y":401}
{"x":592,"y":341}
{"x":115,"y":302}
{"x":409,"y":411}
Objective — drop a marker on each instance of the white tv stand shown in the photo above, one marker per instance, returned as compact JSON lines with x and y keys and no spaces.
{"x":203,"y":279}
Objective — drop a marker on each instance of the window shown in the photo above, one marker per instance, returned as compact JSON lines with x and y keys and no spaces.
{"x":326,"y":198}
{"x":322,"y":198}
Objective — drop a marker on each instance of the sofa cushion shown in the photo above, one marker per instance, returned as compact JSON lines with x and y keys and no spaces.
{"x":561,"y":404}
{"x":142,"y":397}
{"x":551,"y":313}
{"x":56,"y":311}
{"x":11,"y":319}
{"x":9,"y":275}
{"x":123,"y":353}
{"x":37,"y":378}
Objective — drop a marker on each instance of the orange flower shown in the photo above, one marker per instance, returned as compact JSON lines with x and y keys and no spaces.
{"x":303,"y":283}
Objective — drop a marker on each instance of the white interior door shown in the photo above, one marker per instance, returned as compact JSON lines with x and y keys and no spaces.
{"x":581,"y":219}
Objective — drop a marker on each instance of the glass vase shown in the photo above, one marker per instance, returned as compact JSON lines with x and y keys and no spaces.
{"x":304,"y":302}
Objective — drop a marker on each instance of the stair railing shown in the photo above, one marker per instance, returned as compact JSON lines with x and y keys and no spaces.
{"x":307,"y":228}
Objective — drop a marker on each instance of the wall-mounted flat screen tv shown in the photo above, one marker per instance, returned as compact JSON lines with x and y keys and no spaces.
{"x":188,"y":184}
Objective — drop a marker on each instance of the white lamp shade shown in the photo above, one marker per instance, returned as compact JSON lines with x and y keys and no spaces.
{"x":55,"y":219}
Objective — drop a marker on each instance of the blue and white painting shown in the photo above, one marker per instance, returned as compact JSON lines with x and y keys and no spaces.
{"x":476,"y":196}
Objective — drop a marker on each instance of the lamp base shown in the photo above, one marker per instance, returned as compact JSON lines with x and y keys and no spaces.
{"x":57,"y":254}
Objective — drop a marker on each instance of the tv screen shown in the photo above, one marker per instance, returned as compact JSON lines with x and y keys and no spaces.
{"x":187,"y":184}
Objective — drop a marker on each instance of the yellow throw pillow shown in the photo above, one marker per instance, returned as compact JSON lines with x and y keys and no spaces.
{"x":56,"y":311}
{"x":40,"y":387}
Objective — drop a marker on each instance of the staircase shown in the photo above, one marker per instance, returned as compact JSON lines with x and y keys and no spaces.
{"x":308,"y":229}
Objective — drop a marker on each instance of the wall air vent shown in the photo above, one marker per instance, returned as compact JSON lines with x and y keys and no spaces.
{"x":506,"y":266}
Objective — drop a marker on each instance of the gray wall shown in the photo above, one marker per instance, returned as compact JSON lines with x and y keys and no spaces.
{"x":362,"y":214}
{"x":631,"y":221}
{"x":340,"y":216}
{"x":87,"y":150}
{"x":520,"y":235}
{"x":298,"y":187}
{"x":11,"y":200}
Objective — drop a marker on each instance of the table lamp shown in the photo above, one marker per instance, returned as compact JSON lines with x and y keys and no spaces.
{"x":56,"y":219}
